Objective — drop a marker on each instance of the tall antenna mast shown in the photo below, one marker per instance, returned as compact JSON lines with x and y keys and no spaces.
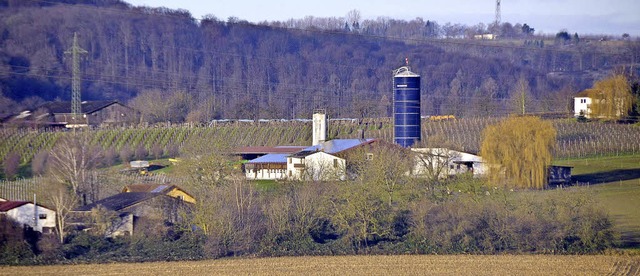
{"x":76,"y":102}
{"x":498,"y":14}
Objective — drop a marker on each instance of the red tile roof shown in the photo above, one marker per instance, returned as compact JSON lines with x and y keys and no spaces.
{"x":586,"y":93}
{"x":5,"y":206}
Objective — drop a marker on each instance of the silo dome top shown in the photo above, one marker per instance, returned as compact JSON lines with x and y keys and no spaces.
{"x":404,"y":71}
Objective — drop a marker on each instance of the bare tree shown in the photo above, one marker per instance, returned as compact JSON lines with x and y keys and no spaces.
{"x":63,"y":200}
{"x":72,"y":159}
{"x":433,"y":163}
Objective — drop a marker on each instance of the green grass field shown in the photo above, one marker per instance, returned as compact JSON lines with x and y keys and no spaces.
{"x":615,"y":181}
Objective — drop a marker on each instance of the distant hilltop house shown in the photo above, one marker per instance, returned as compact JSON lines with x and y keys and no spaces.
{"x":583,"y":104}
{"x":58,"y":114}
{"x":485,"y":36}
{"x":157,"y":203}
{"x":27,"y":214}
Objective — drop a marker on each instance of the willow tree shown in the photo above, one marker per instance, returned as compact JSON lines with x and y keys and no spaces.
{"x":611,"y":98}
{"x":518,"y":151}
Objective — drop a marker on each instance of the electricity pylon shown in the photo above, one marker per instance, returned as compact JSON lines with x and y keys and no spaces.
{"x":76,"y":102}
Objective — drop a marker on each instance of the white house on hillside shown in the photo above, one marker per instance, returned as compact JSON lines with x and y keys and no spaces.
{"x":582,"y":104}
{"x":38,"y":217}
{"x":443,"y":163}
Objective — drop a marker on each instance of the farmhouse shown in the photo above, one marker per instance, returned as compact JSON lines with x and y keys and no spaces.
{"x":35,"y":216}
{"x":582,"y":103}
{"x":158,"y":203}
{"x":58,"y":114}
{"x":324,"y":161}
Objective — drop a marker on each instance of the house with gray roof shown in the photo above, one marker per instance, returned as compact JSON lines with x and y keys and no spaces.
{"x":159,"y":203}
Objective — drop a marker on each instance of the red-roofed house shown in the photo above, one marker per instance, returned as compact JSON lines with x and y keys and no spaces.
{"x":38,"y":217}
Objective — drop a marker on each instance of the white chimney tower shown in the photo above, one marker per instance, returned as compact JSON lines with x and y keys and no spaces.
{"x":319,"y":126}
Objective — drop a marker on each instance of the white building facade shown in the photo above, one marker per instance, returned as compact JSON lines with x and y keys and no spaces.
{"x":316,"y":166}
{"x":39,"y":218}
{"x":582,"y":106}
{"x":268,"y":167}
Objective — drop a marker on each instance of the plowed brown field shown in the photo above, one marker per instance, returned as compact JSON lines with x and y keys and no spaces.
{"x":360,"y":265}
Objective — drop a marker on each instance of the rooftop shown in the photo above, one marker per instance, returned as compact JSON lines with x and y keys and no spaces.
{"x":87,"y":106}
{"x":270,"y":158}
{"x":119,"y":201}
{"x":9,"y":205}
{"x":338,"y":145}
{"x":266,"y":150}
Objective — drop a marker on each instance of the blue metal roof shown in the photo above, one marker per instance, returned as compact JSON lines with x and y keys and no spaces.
{"x":271,"y":158}
{"x":338,"y":145}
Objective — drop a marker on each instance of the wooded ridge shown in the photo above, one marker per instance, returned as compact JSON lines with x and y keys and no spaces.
{"x":209,"y":68}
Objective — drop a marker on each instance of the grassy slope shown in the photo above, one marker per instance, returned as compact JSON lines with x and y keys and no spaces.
{"x":616,"y":183}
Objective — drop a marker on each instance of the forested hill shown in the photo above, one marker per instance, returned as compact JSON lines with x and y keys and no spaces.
{"x":175,"y":67}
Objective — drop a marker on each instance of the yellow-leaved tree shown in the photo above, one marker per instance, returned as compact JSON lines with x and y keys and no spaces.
{"x":518,"y":151}
{"x":611,"y":98}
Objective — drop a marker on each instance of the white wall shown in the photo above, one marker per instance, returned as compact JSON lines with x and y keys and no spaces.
{"x":582,"y":104}
{"x":265,"y":174}
{"x":317,"y":166}
{"x":25,"y":215}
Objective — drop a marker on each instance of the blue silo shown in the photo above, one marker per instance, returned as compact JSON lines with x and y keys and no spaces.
{"x":406,"y":107}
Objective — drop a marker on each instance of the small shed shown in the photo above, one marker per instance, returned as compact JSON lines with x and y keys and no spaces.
{"x":559,"y":175}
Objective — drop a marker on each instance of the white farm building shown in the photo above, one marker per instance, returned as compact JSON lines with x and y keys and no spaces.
{"x":35,"y":216}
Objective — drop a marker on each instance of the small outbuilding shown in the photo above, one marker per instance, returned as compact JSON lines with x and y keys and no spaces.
{"x":559,"y":175}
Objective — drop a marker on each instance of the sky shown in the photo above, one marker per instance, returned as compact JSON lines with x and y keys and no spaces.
{"x":610,"y":17}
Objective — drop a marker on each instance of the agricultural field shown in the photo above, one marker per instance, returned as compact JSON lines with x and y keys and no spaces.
{"x":361,"y":265}
{"x":575,"y":140}
{"x":615,"y":182}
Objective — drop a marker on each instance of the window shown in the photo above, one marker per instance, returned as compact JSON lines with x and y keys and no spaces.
{"x":369,"y":156}
{"x":335,"y":163}
{"x":42,"y":216}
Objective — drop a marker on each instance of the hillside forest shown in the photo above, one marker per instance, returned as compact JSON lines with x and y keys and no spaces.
{"x":157,"y":59}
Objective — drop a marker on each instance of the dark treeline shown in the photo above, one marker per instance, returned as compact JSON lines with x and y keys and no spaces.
{"x":157,"y":59}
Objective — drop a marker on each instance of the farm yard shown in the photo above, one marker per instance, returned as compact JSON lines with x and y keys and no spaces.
{"x":361,"y":265}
